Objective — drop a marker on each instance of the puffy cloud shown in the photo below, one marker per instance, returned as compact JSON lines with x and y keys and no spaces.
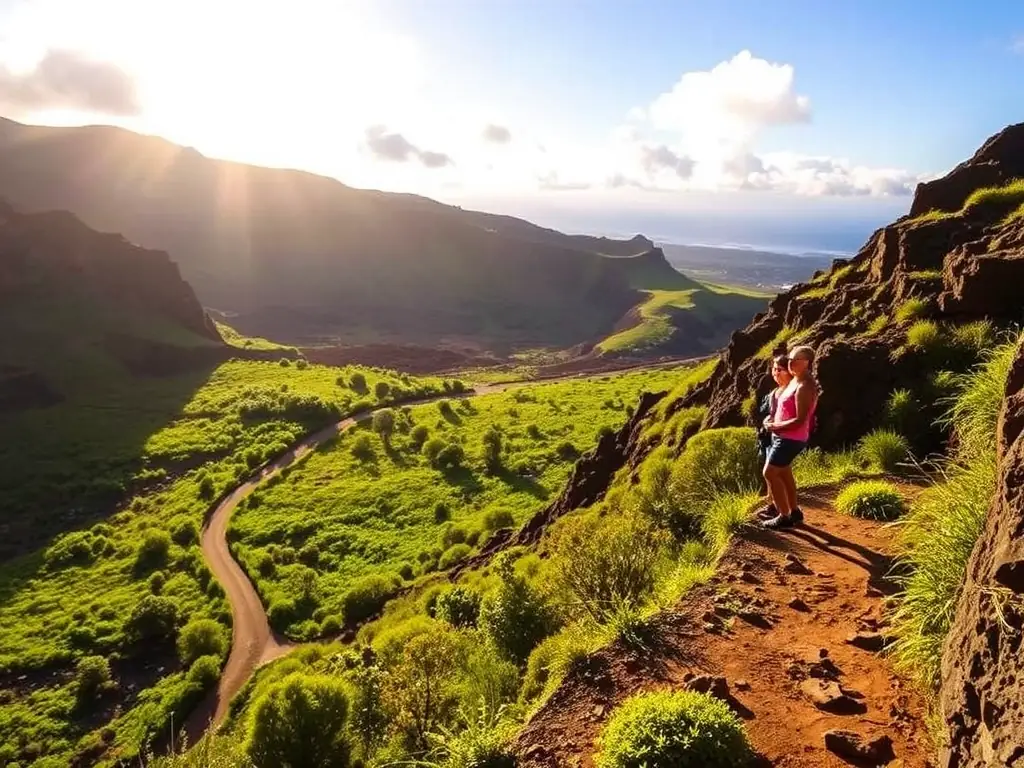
{"x":497,"y":134}
{"x":655,"y":159}
{"x":66,"y":79}
{"x":394,"y":147}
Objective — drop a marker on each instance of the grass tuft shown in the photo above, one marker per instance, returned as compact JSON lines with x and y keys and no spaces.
{"x":871,"y":499}
{"x":884,"y":449}
{"x":911,"y":309}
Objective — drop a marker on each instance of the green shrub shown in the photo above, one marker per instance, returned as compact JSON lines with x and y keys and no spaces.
{"x":384,"y":424}
{"x":358,"y":382}
{"x":442,"y":513}
{"x":491,"y":681}
{"x":152,"y":619}
{"x":184,"y":531}
{"x":566,"y":451}
{"x":884,"y":449}
{"x":450,"y":457}
{"x":205,"y":671}
{"x":498,"y":518}
{"x":515,"y":617}
{"x":451,"y":535}
{"x":872,"y":499}
{"x":201,"y":637}
{"x":714,"y":462}
{"x":679,"y":729}
{"x":281,"y":613}
{"x":381,"y":390}
{"x":153,"y":550}
{"x":300,"y":722}
{"x":924,"y":336}
{"x":156,"y":582}
{"x":331,"y":625}
{"x":454,"y":554}
{"x":362,"y":447}
{"x":367,"y":596}
{"x":975,"y":409}
{"x":483,"y":742}
{"x":92,"y":676}
{"x":975,"y":338}
{"x":419,"y":435}
{"x":911,"y":309}
{"x":460,"y":607}
{"x":492,"y":443}
{"x":71,"y":549}
{"x":605,"y":563}
{"x":432,"y":449}
{"x":284,"y":362}
{"x":877,"y":325}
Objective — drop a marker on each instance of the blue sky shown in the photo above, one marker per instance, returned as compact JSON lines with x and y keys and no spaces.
{"x":578,"y":113}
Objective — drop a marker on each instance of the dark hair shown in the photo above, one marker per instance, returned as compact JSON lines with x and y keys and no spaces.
{"x":781,"y":360}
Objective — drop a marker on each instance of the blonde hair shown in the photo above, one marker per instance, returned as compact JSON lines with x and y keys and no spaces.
{"x":805,"y":351}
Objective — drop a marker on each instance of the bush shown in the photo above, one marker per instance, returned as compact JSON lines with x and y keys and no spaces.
{"x":72,"y":548}
{"x":460,"y":607}
{"x":281,"y":613}
{"x":566,"y":451}
{"x":484,"y":742}
{"x":362,"y":448}
{"x":384,"y":424}
{"x":153,"y":550}
{"x":453,"y":555}
{"x":679,"y":729}
{"x":153,"y":619}
{"x":492,"y":449}
{"x":911,"y":309}
{"x":884,"y":449}
{"x":92,"y":676}
{"x":450,"y":457}
{"x":452,"y":534}
{"x":975,"y":409}
{"x":358,"y":382}
{"x":156,"y":582}
{"x":205,"y":671}
{"x":184,"y":532}
{"x":714,"y":462}
{"x":406,"y":571}
{"x":873,"y":499}
{"x":300,"y":721}
{"x":367,"y":597}
{"x":284,"y":362}
{"x":381,"y":390}
{"x":419,"y":435}
{"x":201,"y":637}
{"x":925,"y":336}
{"x":432,"y":449}
{"x":498,"y":518}
{"x":441,"y":512}
{"x":515,"y":617}
{"x":605,"y":563}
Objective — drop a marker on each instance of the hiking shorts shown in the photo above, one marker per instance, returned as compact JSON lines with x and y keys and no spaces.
{"x":783,"y":451}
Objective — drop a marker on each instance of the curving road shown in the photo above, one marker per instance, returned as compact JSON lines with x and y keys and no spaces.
{"x":253,"y":642}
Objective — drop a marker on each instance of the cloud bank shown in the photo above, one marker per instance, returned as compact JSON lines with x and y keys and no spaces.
{"x":394,"y":147}
{"x":64,"y":79}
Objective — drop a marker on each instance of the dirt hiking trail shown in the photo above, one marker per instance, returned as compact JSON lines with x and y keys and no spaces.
{"x":789,"y":631}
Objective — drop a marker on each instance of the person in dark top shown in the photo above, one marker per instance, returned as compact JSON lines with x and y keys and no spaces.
{"x":765,"y":411}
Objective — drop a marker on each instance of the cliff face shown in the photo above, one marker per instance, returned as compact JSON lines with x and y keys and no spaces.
{"x":983,"y":663}
{"x":46,"y":252}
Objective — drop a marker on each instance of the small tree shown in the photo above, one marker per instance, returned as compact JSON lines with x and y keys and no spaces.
{"x":492,"y":449}
{"x":358,"y":382}
{"x":450,"y":457}
{"x":362,"y":448}
{"x":92,"y":676}
{"x":432,"y":449}
{"x":515,"y":616}
{"x":201,"y":637}
{"x":384,"y":425}
{"x":300,"y":723}
{"x":153,"y":550}
{"x":369,"y":718}
{"x":419,"y":435}
{"x":381,"y":390}
{"x":460,"y":607}
{"x":153,"y":619}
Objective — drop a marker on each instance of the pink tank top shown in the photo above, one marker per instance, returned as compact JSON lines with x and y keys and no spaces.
{"x":785,"y":409}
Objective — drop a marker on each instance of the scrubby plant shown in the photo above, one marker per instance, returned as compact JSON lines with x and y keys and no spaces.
{"x":884,"y":449}
{"x":184,"y":531}
{"x":442,"y":512}
{"x":201,"y":637}
{"x":432,"y":449}
{"x":498,"y":518}
{"x":384,"y":425}
{"x":450,"y":457}
{"x":606,"y":563}
{"x":903,"y":412}
{"x":911,"y":309}
{"x":205,"y":671}
{"x":153,"y":550}
{"x":873,"y":499}
{"x":673,"y":729}
{"x":367,"y":596}
{"x":924,"y":336}
{"x":381,"y":390}
{"x":92,"y":677}
{"x":453,"y":555}
{"x":362,"y":447}
{"x":483,"y":741}
{"x":492,"y":442}
{"x":300,"y":723}
{"x":460,"y":607}
{"x":358,"y":382}
{"x":515,"y":616}
{"x":152,"y":619}
{"x":419,"y":435}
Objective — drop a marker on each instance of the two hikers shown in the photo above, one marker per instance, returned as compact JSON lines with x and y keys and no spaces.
{"x":786,"y":429}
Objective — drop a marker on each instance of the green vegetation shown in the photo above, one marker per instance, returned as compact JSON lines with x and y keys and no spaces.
{"x":945,"y":521}
{"x":782,"y":337}
{"x":1009,"y":196}
{"x":718,"y":308}
{"x":911,"y":309}
{"x":827,"y":283}
{"x":489,"y":463}
{"x":926,"y":274}
{"x":679,"y":729}
{"x":878,"y":325}
{"x":884,"y":449}
{"x":924,"y":336}
{"x":873,"y":499}
{"x":235,"y":339}
{"x":128,"y":580}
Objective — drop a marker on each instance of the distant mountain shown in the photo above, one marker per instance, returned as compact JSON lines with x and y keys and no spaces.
{"x":301,"y":257}
{"x":744,"y":267}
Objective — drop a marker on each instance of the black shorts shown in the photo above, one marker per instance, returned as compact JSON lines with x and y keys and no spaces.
{"x":783,"y":451}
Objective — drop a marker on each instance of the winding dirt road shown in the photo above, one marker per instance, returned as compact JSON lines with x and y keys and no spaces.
{"x":253,"y":642}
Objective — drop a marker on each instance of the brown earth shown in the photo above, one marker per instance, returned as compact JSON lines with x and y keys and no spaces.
{"x":741,"y":626}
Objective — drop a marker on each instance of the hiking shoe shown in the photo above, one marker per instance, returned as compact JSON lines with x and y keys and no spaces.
{"x":797,"y":516}
{"x":768,"y":512}
{"x":778,"y":523}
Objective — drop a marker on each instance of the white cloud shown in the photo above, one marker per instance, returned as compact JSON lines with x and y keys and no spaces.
{"x":658,"y":158}
{"x":496,"y":134}
{"x":65,"y":79}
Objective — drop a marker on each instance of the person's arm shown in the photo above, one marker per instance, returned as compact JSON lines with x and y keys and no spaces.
{"x":805,"y":395}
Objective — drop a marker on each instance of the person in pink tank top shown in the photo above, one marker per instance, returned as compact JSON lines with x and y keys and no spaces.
{"x":790,"y":426}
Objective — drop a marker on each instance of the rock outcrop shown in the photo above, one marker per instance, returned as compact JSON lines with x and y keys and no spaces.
{"x":983,"y":663}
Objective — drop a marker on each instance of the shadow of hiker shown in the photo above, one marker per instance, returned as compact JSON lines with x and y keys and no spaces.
{"x":875,"y":563}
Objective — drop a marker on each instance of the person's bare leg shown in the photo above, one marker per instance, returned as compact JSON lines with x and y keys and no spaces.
{"x":780,"y":496}
{"x":790,"y":481}
{"x":767,"y":485}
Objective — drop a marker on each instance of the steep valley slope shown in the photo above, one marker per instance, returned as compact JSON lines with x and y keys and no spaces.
{"x":299,"y":257}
